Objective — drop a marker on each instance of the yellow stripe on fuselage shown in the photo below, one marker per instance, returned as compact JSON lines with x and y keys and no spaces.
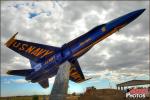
{"x":100,"y":39}
{"x":86,"y":41}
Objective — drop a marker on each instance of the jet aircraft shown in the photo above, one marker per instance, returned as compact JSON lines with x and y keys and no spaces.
{"x":45,"y":60}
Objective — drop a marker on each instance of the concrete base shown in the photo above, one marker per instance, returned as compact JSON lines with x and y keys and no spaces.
{"x":60,"y":87}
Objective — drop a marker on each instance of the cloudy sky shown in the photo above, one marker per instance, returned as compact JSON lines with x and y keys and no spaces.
{"x":121,"y":57}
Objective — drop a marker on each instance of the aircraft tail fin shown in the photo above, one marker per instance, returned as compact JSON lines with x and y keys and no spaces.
{"x":24,"y":72}
{"x":44,"y":83}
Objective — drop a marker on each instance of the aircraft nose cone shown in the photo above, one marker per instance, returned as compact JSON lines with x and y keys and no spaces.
{"x":135,"y":14}
{"x":125,"y":19}
{"x":141,"y":11}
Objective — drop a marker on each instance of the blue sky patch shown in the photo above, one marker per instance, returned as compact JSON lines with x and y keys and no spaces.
{"x":33,"y":14}
{"x":17,"y":6}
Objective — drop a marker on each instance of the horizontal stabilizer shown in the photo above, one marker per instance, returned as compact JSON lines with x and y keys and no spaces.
{"x":33,"y":51}
{"x":44,"y":83}
{"x":24,"y":72}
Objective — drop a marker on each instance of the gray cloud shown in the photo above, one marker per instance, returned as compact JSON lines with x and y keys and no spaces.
{"x":118,"y":55}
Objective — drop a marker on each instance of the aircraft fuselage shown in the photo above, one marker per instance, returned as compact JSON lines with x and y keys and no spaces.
{"x":79,"y":46}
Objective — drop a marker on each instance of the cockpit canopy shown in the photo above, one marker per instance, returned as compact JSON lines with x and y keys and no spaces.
{"x":103,"y":27}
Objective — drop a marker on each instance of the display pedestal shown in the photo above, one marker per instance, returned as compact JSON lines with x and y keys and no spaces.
{"x":60,"y":86}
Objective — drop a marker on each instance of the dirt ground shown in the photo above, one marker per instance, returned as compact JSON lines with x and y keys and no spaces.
{"x":98,"y":94}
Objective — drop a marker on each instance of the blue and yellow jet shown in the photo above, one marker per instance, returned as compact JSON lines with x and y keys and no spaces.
{"x":45,"y":59}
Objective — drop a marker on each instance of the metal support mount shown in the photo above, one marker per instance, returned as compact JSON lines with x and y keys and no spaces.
{"x":60,"y":86}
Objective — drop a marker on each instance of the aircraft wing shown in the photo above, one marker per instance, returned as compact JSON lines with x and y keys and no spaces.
{"x":76,"y":74}
{"x":22,"y":72}
{"x":32,"y":51}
